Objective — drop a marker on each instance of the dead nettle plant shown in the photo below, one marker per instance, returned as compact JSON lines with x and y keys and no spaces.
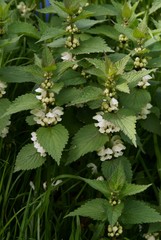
{"x":92,"y":100}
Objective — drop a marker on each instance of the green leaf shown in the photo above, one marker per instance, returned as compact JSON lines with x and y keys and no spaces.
{"x":136,"y":100}
{"x":121,"y":64}
{"x":104,"y":30}
{"x":92,"y":45}
{"x":87,"y":23}
{"x":7,"y":42}
{"x":22,"y":103}
{"x":47,"y":58}
{"x":28,"y":158}
{"x":87,"y":139}
{"x":87,"y":94}
{"x":52,"y":33}
{"x":132,"y":189}
{"x":100,"y":186}
{"x":122,"y":86}
{"x":21,"y":74}
{"x":156,"y":4}
{"x":137,"y":212}
{"x":71,"y":78}
{"x":114,"y":212}
{"x":97,"y":63}
{"x":57,"y":43}
{"x":126,"y":11}
{"x":108,"y":167}
{"x":53,"y":140}
{"x":24,"y":28}
{"x":151,"y":124}
{"x":126,"y":121}
{"x":96,"y":209}
{"x":102,"y":9}
{"x":4,"y":104}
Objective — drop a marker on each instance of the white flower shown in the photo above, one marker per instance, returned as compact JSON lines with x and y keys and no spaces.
{"x":37,"y":145}
{"x":55,"y":183}
{"x":100,"y":178}
{"x":5,"y":130}
{"x":2,"y":88}
{"x":151,"y":236}
{"x":144,"y":111}
{"x":32,"y":185}
{"x":113,"y":105}
{"x":144,"y":82}
{"x":104,"y":125}
{"x":66,"y":56}
{"x":117,"y":149}
{"x":93,"y":168}
{"x":105,"y":153}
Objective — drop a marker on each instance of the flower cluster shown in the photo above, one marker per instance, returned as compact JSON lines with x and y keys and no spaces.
{"x":2,"y":88}
{"x":72,"y":28}
{"x":72,"y":42}
{"x":47,"y":114}
{"x":105,"y":126}
{"x":37,"y":145}
{"x":24,"y":10}
{"x":5,"y":130}
{"x":140,"y":63}
{"x":123,"y":41}
{"x":110,"y":106}
{"x":143,"y":83}
{"x":114,"y":231}
{"x":151,"y":236}
{"x":115,"y":150}
{"x":114,"y":200}
{"x":66,"y":56}
{"x":144,"y":111}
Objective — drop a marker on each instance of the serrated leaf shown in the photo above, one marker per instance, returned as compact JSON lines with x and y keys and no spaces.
{"x":28,"y":158}
{"x":96,"y":209}
{"x":126,"y":121}
{"x":151,"y":124}
{"x":8,"y":41}
{"x":92,"y":45}
{"x":21,"y":74}
{"x":24,"y":102}
{"x":100,"y":186}
{"x":57,"y":43}
{"x":156,"y":4}
{"x":104,"y":30}
{"x":71,"y":78}
{"x":102,"y":9}
{"x":4,"y":104}
{"x":87,"y":23}
{"x":132,"y":189}
{"x":125,"y":30}
{"x":97,"y":63}
{"x":47,"y":58}
{"x":87,"y":139}
{"x":52,"y":33}
{"x":122,"y":86}
{"x":136,"y":100}
{"x":67,"y":95}
{"x":121,"y":64}
{"x":114,"y":212}
{"x":87,"y":94}
{"x":108,"y":167}
{"x":133,"y":77}
{"x":24,"y":28}
{"x":137,"y":212}
{"x":53,"y":140}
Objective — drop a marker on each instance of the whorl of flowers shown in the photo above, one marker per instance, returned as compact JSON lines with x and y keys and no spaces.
{"x":47,"y":114}
{"x":144,"y":111}
{"x":115,"y":230}
{"x":105,"y":126}
{"x":37,"y":145}
{"x":3,"y":86}
{"x":115,"y":150}
{"x":151,"y":236}
{"x":5,"y":130}
{"x":23,"y":9}
{"x":111,"y":105}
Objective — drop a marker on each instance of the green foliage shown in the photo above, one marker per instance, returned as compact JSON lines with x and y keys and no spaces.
{"x":137,"y":212}
{"x":4,"y":104}
{"x":86,"y":140}
{"x":53,"y":140}
{"x":28,"y":158}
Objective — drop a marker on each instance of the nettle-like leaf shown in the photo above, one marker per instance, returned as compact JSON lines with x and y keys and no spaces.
{"x":87,"y":139}
{"x":156,"y":4}
{"x":104,"y":30}
{"x":100,"y":186}
{"x":121,"y":64}
{"x":133,"y":77}
{"x":4,"y":104}
{"x":138,"y":212}
{"x":151,"y":124}
{"x":8,"y":41}
{"x":71,"y":78}
{"x":136,"y":100}
{"x":57,"y":43}
{"x":18,"y":74}
{"x":122,"y":85}
{"x":132,"y":189}
{"x":87,"y":94}
{"x":52,"y":33}
{"x":114,"y":212}
{"x":67,"y":94}
{"x":92,"y":45}
{"x":96,"y":209}
{"x":108,"y":167}
{"x":53,"y":139}
{"x":24,"y":28}
{"x":28,"y":158}
{"x":126,"y":121}
{"x":24,"y":102}
{"x":101,"y":10}
{"x":87,"y":23}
